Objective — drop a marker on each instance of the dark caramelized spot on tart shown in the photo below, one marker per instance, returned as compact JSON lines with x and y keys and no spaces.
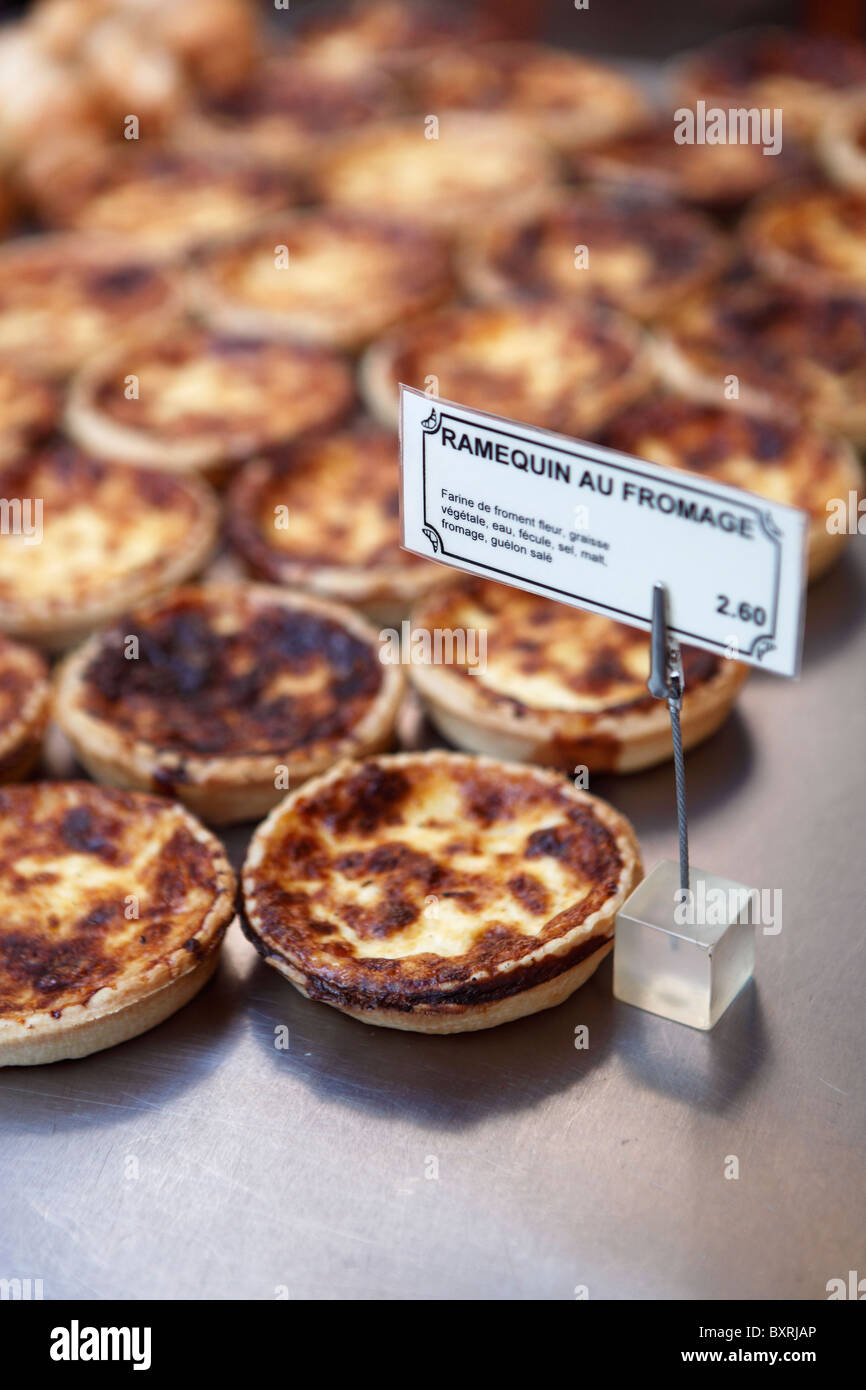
{"x":71,"y":854}
{"x":118,"y":282}
{"x":364,"y":802}
{"x":218,"y":678}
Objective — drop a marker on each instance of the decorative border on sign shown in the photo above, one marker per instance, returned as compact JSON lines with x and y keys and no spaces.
{"x":432,"y":423}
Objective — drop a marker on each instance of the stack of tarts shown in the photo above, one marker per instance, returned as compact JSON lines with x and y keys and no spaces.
{"x":229,"y":297}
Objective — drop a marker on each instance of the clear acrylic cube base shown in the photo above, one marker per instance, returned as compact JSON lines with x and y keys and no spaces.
{"x":691,"y":970}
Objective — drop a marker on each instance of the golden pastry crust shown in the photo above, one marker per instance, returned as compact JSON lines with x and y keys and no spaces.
{"x":718,"y":177}
{"x":802,"y":73}
{"x":561,"y":96}
{"x":325,"y":516}
{"x":438,"y":893}
{"x":476,"y":166}
{"x":203,"y":400}
{"x":326,"y":276}
{"x":799,"y":357}
{"x":810,"y":239}
{"x":28,"y":412}
{"x":286,"y":114}
{"x":387,"y":34}
{"x":161,"y":201}
{"x":631,"y":253}
{"x":559,"y":686}
{"x":24,"y":706}
{"x":236,"y":691}
{"x":842,"y":143}
{"x":116,"y":905}
{"x":556,"y":366}
{"x":110,"y":536}
{"x":63,"y":297}
{"x":787,"y":463}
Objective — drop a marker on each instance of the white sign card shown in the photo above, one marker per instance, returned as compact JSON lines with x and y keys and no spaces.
{"x":596,"y":528}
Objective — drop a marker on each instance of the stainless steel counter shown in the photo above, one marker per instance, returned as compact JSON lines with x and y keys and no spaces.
{"x":199,"y":1161}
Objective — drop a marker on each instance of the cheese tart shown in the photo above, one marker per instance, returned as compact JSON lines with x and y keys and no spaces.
{"x":201,"y":401}
{"x":797,"y":356}
{"x":556,"y":685}
{"x":386,"y":35}
{"x":810,"y":239}
{"x":842,"y":143}
{"x":718,"y":177}
{"x":329,"y":276}
{"x":29,"y":408}
{"x":561,"y":96}
{"x":324,"y":515}
{"x":24,"y":707}
{"x":161,"y":201}
{"x":40,"y":98}
{"x":804,"y":74}
{"x":64,"y":297}
{"x":785,"y":462}
{"x":438,"y":893}
{"x":466,"y":168}
{"x":115,"y":906}
{"x":225,"y":695}
{"x":635,"y":254}
{"x":127,"y":71}
{"x":558,"y":366}
{"x":285,"y":114}
{"x":94,"y":538}
{"x":215,"y":43}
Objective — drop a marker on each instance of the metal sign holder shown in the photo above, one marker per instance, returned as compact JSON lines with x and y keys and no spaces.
{"x":666,"y":683}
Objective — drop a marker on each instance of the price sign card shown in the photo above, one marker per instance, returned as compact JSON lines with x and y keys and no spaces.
{"x":597,"y":529}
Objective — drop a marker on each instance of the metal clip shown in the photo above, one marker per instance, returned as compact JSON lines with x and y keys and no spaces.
{"x":666,"y":683}
{"x":675,"y":676}
{"x":666,"y":663}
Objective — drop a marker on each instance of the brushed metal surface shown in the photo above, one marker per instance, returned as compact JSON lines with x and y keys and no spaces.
{"x":199,"y":1161}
